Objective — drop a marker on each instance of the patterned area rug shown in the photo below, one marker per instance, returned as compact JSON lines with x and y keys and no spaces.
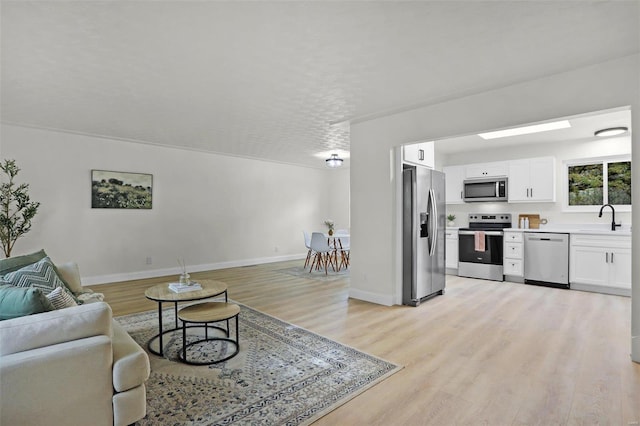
{"x":331,"y":275}
{"x":283,"y":375}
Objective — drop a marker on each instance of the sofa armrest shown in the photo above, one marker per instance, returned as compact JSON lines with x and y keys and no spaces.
{"x":49,"y":328}
{"x":131,"y":366}
{"x":68,"y":383}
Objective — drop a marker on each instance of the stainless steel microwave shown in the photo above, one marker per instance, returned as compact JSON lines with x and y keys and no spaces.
{"x":485,"y":189}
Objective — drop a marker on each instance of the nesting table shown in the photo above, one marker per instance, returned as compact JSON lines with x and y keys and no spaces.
{"x":161,"y":294}
{"x":204,"y":314}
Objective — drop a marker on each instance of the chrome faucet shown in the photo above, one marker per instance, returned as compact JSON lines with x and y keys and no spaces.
{"x":613,"y":216}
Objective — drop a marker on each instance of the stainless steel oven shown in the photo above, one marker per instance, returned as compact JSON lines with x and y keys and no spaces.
{"x":480,"y":246}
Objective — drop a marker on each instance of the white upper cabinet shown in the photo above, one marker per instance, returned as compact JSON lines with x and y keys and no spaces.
{"x":532,"y":180}
{"x":454,"y":177}
{"x":483,"y":170}
{"x":421,"y":154}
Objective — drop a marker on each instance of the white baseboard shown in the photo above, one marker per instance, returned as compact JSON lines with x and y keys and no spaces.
{"x":367,"y":296}
{"x":602,"y":289}
{"x":154,"y":273}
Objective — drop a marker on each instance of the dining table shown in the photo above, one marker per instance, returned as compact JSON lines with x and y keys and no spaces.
{"x":335,"y":242}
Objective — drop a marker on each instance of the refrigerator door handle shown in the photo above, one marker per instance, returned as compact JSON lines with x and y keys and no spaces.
{"x":434,"y":221}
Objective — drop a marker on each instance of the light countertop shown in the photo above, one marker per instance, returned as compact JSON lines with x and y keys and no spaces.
{"x":585,"y":229}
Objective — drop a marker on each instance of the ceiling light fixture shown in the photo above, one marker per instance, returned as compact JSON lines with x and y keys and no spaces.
{"x":334,"y":161}
{"x":526,"y":130}
{"x":611,"y":131}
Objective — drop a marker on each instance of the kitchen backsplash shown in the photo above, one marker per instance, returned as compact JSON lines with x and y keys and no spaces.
{"x":550,"y":211}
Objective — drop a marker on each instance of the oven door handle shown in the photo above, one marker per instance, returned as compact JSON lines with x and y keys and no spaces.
{"x":488,"y":233}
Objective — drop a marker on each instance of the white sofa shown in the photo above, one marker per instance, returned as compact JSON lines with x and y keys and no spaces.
{"x":72,"y":366}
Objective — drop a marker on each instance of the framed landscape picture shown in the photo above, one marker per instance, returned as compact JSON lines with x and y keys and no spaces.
{"x":120,"y":190}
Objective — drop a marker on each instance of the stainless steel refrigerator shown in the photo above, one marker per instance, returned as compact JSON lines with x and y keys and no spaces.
{"x":423,"y":234}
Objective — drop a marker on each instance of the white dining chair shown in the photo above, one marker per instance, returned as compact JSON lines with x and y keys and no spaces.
{"x":307,"y":244}
{"x":322,"y":252}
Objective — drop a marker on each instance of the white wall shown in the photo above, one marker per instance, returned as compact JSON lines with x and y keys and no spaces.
{"x":375,"y":275}
{"x":214,"y":211}
{"x":553,"y":212}
{"x":338,"y":198}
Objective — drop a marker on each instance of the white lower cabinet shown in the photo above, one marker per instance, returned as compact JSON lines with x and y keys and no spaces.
{"x":451,"y":242}
{"x":513,"y":252}
{"x":601,"y":263}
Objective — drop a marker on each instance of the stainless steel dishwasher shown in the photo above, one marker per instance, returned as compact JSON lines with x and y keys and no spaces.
{"x":546,"y":259}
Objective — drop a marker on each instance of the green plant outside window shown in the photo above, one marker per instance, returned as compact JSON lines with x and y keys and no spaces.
{"x":619,"y":181}
{"x":587,"y":183}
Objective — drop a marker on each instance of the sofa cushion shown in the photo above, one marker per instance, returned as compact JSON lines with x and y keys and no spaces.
{"x":60,"y":299}
{"x":18,"y":301}
{"x":129,"y":406}
{"x":69,"y":273}
{"x":11,"y":264}
{"x":57,"y":326}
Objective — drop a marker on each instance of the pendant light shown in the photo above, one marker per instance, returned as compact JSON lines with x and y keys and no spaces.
{"x":612,"y":131}
{"x":334,"y":161}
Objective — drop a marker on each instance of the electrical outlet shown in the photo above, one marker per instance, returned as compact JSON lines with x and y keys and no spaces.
{"x":149,"y":260}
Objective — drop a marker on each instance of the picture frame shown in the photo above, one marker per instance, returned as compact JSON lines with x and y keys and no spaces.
{"x":121,"y":190}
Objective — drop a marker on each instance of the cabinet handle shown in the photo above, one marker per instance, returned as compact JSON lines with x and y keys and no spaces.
{"x":611,"y":257}
{"x":527,"y":192}
{"x":421,"y":154}
{"x":607,"y":257}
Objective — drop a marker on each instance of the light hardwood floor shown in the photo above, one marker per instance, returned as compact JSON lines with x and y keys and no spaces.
{"x":484,"y":353}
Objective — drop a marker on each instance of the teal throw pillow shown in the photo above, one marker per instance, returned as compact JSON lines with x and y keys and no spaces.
{"x":20,"y":301}
{"x":11,"y":264}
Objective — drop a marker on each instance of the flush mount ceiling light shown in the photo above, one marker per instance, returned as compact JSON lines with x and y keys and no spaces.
{"x":334,"y":161}
{"x":611,"y":131}
{"x":536,"y":128}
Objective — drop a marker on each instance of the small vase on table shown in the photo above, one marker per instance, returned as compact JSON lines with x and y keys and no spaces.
{"x":185,"y":278}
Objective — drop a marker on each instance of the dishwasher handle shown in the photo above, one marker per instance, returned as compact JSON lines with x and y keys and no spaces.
{"x":550,"y":239}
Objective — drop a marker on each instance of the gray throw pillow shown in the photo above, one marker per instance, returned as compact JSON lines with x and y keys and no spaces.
{"x":40,"y":275}
{"x":14,"y":263}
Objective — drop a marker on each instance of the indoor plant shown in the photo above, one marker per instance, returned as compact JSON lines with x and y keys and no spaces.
{"x":451,"y":218}
{"x":330,"y":225}
{"x":16,"y":209}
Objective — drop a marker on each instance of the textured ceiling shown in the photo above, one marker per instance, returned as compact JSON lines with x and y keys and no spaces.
{"x":270,"y":79}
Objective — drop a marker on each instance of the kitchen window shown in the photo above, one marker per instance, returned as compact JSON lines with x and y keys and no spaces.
{"x":590,"y":183}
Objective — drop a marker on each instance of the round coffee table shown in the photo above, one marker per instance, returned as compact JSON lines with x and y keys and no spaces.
{"x":161,"y":293}
{"x":204,"y":314}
